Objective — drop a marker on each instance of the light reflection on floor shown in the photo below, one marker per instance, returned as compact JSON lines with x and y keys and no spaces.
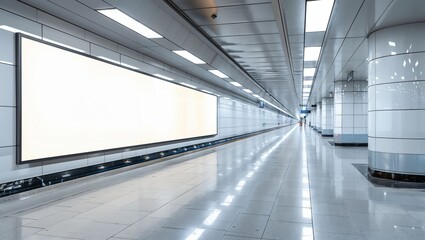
{"x":286,"y":184}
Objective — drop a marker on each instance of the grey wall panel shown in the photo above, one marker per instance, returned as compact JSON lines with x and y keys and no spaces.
{"x":7,"y":126}
{"x":7,"y":85}
{"x":7,"y":54}
{"x":64,"y":38}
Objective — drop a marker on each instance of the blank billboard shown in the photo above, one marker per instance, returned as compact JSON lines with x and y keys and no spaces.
{"x":70,"y":103}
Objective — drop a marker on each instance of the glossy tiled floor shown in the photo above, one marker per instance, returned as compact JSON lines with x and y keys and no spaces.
{"x":285,"y":184}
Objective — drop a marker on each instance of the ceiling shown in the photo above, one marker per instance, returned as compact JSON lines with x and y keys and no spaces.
{"x":259,"y":43}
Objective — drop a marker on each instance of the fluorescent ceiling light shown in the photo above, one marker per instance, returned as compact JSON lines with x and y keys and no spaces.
{"x":129,"y":22}
{"x":309,"y":72}
{"x":15,"y":30}
{"x":236,"y":84}
{"x":129,"y":66}
{"x":187,"y":85}
{"x":189,"y":56}
{"x":108,"y":59}
{"x":63,"y":45}
{"x":308,"y":82}
{"x":317,"y":15}
{"x":247,"y":90}
{"x":306,"y":89}
{"x":311,"y":53}
{"x":163,"y":77}
{"x":255,"y":95}
{"x":206,"y":91}
{"x":218,"y":73}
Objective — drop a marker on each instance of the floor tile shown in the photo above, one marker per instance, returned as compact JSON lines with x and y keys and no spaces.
{"x":291,"y":214}
{"x":247,"y":225}
{"x":288,"y":230}
{"x":83,"y":229}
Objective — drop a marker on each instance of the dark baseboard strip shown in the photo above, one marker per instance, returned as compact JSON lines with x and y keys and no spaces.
{"x":327,"y":135}
{"x":396,"y":179}
{"x":351,"y":144}
{"x":22,"y":185}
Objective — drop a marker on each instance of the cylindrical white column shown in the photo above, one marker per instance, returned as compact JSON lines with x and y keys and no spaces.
{"x":397,"y":101}
{"x":319,"y":117}
{"x":350,"y":112}
{"x":327,"y":116}
{"x":313,"y":117}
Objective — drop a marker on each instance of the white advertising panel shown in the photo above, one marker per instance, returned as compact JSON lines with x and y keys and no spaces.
{"x":70,"y":103}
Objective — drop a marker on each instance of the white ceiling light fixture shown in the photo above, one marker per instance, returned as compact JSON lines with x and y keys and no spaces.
{"x":189,"y":56}
{"x":256,"y":95}
{"x":187,"y":85}
{"x":309,"y":72}
{"x":129,"y":22}
{"x":163,"y":77}
{"x":236,"y":84}
{"x":308,"y":82}
{"x":317,"y":15}
{"x":206,"y":91}
{"x":218,"y":73}
{"x":247,"y":90}
{"x":306,"y":90}
{"x":311,"y":53}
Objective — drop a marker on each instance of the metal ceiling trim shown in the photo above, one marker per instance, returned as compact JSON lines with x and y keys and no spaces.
{"x":283,"y":32}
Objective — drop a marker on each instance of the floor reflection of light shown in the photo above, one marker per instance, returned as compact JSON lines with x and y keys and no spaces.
{"x":212,"y":217}
{"x":307,"y":231}
{"x":195,"y":234}
{"x":227,"y":201}
{"x":305,"y":179}
{"x":306,"y":213}
{"x":306,"y":203}
{"x":306,"y":194}
{"x":240,"y":185}
{"x":250,"y":174}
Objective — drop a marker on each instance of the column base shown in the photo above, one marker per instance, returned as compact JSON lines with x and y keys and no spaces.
{"x":350,"y":139}
{"x":404,"y":166}
{"x":395,"y":176}
{"x":327,"y":132}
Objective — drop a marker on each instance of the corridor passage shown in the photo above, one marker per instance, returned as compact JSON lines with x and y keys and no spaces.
{"x":287,"y":184}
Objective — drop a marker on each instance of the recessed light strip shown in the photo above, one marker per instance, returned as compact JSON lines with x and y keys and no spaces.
{"x":129,"y":22}
{"x":15,"y":30}
{"x":218,"y":73}
{"x":311,"y":53}
{"x":163,"y":77}
{"x":317,"y":15}
{"x":236,"y":84}
{"x":187,"y":85}
{"x":189,"y":56}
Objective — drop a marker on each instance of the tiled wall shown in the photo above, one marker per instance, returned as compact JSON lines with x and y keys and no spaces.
{"x":235,"y":116}
{"x":327,"y":116}
{"x":350,"y":112}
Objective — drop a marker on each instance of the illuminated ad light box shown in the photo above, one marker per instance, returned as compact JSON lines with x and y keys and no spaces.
{"x":70,"y":103}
